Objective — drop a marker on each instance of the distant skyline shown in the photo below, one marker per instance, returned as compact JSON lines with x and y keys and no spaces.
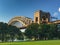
{"x":12,"y":8}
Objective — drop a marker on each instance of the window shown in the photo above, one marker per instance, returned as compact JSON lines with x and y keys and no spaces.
{"x":36,"y":19}
{"x":44,"y":17}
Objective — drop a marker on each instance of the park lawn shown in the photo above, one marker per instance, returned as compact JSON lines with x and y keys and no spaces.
{"x":46,"y":42}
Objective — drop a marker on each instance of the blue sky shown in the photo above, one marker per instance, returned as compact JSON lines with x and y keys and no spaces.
{"x":12,"y":8}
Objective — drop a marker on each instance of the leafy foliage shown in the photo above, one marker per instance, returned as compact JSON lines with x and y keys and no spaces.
{"x":9,"y":32}
{"x":42,"y":31}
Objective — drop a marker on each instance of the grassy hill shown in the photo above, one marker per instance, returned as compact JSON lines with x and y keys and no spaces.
{"x":46,"y":42}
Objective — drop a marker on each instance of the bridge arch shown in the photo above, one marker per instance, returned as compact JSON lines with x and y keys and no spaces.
{"x":23,"y":20}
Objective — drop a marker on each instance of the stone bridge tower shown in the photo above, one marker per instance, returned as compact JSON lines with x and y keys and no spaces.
{"x":41,"y":17}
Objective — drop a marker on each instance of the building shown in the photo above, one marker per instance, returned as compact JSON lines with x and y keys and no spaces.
{"x":43,"y":17}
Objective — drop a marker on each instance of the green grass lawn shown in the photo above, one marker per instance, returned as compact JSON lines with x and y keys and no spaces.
{"x":47,"y":42}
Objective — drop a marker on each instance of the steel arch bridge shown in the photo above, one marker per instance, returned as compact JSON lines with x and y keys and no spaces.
{"x":25,"y":21}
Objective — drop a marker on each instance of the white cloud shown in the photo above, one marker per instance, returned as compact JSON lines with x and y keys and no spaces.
{"x":59,"y":9}
{"x":55,"y":14}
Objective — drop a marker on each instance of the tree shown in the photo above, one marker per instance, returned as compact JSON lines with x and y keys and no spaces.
{"x":53,"y":31}
{"x":3,"y":31}
{"x":14,"y":32}
{"x":8,"y":32}
{"x":32,"y":31}
{"x":44,"y":31}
